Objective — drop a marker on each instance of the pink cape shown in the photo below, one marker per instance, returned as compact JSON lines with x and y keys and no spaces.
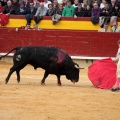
{"x":102,"y":73}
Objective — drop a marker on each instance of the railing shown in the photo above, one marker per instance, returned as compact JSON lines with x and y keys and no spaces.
{"x":66,"y":23}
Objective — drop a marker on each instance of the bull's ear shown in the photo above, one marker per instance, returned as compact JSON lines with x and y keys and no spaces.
{"x":76,"y":66}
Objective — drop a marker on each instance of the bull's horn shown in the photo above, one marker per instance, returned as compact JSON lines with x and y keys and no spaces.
{"x":81,"y":68}
{"x":77,"y":67}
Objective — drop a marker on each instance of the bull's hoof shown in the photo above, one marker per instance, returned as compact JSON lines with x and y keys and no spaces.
{"x":18,"y":81}
{"x":6,"y":81}
{"x":42,"y":83}
{"x":59,"y":84}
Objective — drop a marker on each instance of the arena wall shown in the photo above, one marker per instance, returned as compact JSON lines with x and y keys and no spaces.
{"x":75,"y":43}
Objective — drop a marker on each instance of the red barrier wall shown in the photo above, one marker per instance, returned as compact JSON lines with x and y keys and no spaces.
{"x":78,"y":43}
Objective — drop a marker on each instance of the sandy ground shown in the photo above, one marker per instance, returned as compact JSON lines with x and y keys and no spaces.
{"x":28,"y":100}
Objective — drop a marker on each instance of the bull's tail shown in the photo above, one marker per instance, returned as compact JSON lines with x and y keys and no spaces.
{"x":10,"y":52}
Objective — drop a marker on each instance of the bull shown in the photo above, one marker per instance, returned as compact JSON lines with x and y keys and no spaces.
{"x":52,"y":59}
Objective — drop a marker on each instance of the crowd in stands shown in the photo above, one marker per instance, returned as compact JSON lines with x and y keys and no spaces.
{"x":101,"y":11}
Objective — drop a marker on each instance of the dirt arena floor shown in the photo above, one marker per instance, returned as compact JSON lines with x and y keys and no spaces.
{"x":28,"y":100}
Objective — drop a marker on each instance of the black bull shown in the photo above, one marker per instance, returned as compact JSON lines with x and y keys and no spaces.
{"x":53,"y":60}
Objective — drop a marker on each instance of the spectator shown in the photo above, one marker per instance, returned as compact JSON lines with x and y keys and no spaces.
{"x":64,"y":3}
{"x":79,"y":11}
{"x":8,"y":8}
{"x":15,"y":6}
{"x":118,"y":2}
{"x":115,"y":14}
{"x":80,"y":1}
{"x":36,"y":3}
{"x":1,"y":7}
{"x":95,"y":13}
{"x":72,"y":2}
{"x":55,"y":6}
{"x":27,"y":27}
{"x":60,"y":10}
{"x":115,"y":27}
{"x":60,"y":1}
{"x":112,"y":4}
{"x":85,"y":2}
{"x":108,"y":1}
{"x":26,"y":3}
{"x":115,"y":10}
{"x":96,"y":1}
{"x":105,"y":15}
{"x":46,"y":3}
{"x":50,"y":11}
{"x":104,"y":29}
{"x":35,"y":27}
{"x":57,"y":14}
{"x":90,"y":2}
{"x":4,"y":2}
{"x":68,"y":10}
{"x":75,"y":3}
{"x":21,"y":10}
{"x":41,"y":11}
{"x":87,"y":11}
{"x":31,"y":12}
{"x":102,"y":5}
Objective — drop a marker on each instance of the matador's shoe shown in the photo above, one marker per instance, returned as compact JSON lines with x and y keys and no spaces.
{"x":115,"y":89}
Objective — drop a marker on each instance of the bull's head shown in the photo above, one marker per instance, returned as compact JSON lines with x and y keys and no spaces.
{"x":73,"y":73}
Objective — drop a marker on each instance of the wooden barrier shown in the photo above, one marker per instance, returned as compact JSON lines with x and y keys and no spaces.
{"x":76,"y":43}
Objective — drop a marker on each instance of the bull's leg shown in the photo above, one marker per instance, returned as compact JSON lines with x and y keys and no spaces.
{"x":17,"y":69}
{"x":18,"y":75}
{"x":59,"y":82}
{"x":10,"y":73}
{"x":44,"y":77}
